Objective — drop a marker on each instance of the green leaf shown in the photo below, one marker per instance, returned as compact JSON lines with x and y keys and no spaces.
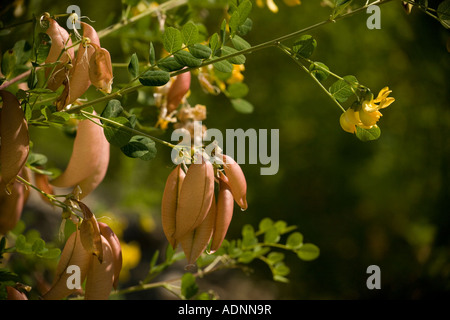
{"x":341,"y":90}
{"x":38,"y":246}
{"x":305,"y":46}
{"x":22,"y":245}
{"x":246,"y":257}
{"x":294,"y":240}
{"x":140,"y":147}
{"x":187,"y":59}
{"x":113,"y":109}
{"x":265,"y":224}
{"x":308,"y":252}
{"x":172,"y":39}
{"x":36,"y":159}
{"x":239,"y":59}
{"x":8,"y":63}
{"x":154,"y":78}
{"x":52,"y":253}
{"x":281,"y":269}
{"x":214,"y":43}
{"x":246,"y":27}
{"x":317,"y":70}
{"x":115,"y":135}
{"x":272,"y":235}
{"x":188,"y":285}
{"x":443,"y":13}
{"x":275,"y":257}
{"x":242,"y":106}
{"x":239,"y":43}
{"x":223,"y":66}
{"x":170,"y":64}
{"x":368,"y":134}
{"x":133,"y":66}
{"x":237,"y":90}
{"x":340,"y":6}
{"x":240,"y":15}
{"x":200,"y":51}
{"x":189,"y":33}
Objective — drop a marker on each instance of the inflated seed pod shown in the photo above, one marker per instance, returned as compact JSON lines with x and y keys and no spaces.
{"x":100,"y":276}
{"x":15,"y":140}
{"x":73,"y":254}
{"x":195,"y":197}
{"x":114,"y":242}
{"x":224,"y":214}
{"x":89,"y":161}
{"x":195,"y":241}
{"x":178,"y":89}
{"x":60,"y":41}
{"x":236,"y":180}
{"x":169,"y":203}
{"x":78,"y":81}
{"x":100,"y":69}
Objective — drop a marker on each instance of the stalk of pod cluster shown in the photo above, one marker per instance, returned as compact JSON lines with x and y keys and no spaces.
{"x":192,"y":214}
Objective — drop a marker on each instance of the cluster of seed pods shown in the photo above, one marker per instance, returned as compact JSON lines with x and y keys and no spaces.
{"x":95,"y":249}
{"x":191,"y":213}
{"x":92,"y":64}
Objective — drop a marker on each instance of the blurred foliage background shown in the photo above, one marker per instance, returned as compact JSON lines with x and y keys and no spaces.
{"x":384,"y":202}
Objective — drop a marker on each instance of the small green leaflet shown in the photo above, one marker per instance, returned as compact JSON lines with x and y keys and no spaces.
{"x":154,"y":78}
{"x":133,"y":66}
{"x":172,"y":39}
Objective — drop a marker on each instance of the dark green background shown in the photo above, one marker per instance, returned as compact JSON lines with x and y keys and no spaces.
{"x":379,"y":203}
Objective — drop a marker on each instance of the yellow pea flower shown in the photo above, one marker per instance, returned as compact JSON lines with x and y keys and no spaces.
{"x":273,"y":7}
{"x":368,"y":115}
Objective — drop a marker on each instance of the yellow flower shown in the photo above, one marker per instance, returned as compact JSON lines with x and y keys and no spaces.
{"x":236,"y":75}
{"x":368,"y":115}
{"x":273,"y":7}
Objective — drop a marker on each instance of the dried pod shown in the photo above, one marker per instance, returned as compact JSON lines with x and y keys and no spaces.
{"x":114,"y":242}
{"x":100,"y":69}
{"x":236,"y":180}
{"x":15,"y":140}
{"x":178,"y":89}
{"x":195,"y":198}
{"x":224,"y":214}
{"x":73,"y":254}
{"x":169,"y":203}
{"x":89,"y":160}
{"x":78,"y":81}
{"x":90,"y":233}
{"x":60,"y":40}
{"x":196,"y":241}
{"x":100,"y":275}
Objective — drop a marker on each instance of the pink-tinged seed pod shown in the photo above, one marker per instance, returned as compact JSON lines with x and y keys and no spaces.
{"x":224,"y":214}
{"x":60,"y":40}
{"x":100,"y":276}
{"x":236,"y":180}
{"x":15,"y":140}
{"x":169,"y":203}
{"x":195,"y":197}
{"x":79,"y":81}
{"x":42,"y":182}
{"x":195,"y":241}
{"x":89,"y":161}
{"x":114,"y":242}
{"x":11,"y":205}
{"x":178,"y":89}
{"x":90,"y":233}
{"x":14,"y":294}
{"x":73,"y":254}
{"x":100,"y":69}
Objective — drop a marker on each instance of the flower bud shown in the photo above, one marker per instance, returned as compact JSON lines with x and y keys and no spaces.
{"x":236,"y":180}
{"x":169,"y":203}
{"x":195,"y":199}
